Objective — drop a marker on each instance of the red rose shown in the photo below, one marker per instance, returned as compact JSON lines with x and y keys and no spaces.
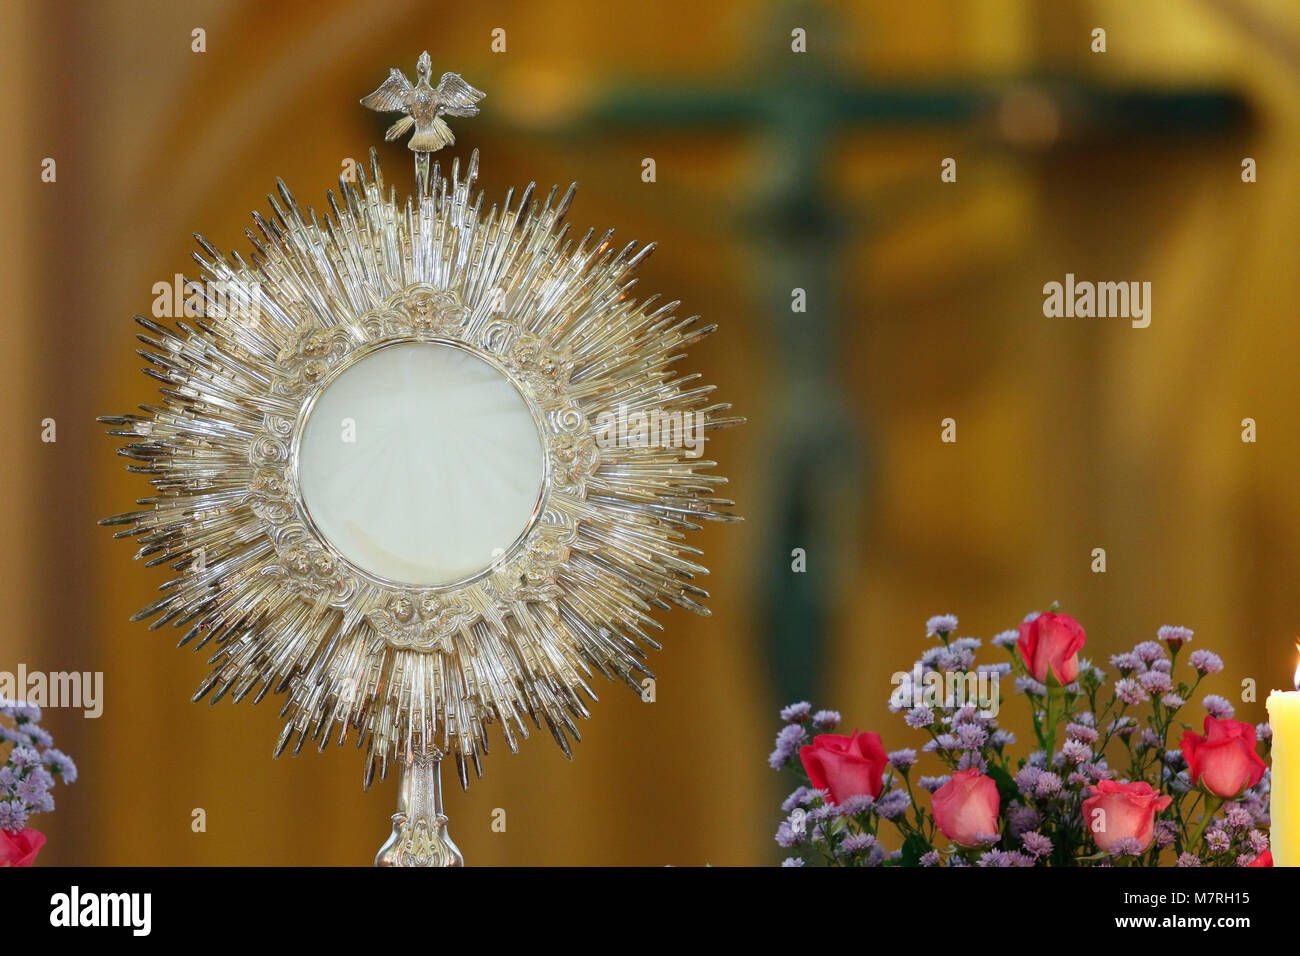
{"x":19,"y":848}
{"x":1052,"y":642}
{"x":1121,"y":811}
{"x":966,"y":807}
{"x":1264,"y":859}
{"x":846,"y":766}
{"x":1224,"y":761}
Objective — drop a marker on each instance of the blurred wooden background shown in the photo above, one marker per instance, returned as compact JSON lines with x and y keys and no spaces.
{"x":1072,"y":434}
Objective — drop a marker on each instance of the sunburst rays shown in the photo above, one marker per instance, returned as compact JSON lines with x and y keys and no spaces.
{"x":399,"y":669}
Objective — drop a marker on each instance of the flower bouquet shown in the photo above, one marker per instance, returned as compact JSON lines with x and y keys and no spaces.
{"x":1105,"y":783}
{"x":26,"y":776}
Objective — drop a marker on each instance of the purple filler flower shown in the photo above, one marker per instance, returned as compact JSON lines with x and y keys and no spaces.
{"x":1122,"y":726}
{"x":13,"y":815}
{"x":1207,"y":662}
{"x":1022,"y":820}
{"x":856,"y":842}
{"x":787,"y":836}
{"x":1076,"y":751}
{"x":1149,"y":651}
{"x":931,"y":784}
{"x":1035,"y":843}
{"x":37,"y":735}
{"x":1217,"y":840}
{"x":796,"y":713}
{"x":1006,"y":639}
{"x":1175,"y":636}
{"x":1082,"y":733}
{"x":1002,"y":738}
{"x":12,"y":735}
{"x":893,"y":804}
{"x":1218,"y":707}
{"x":1155,"y":682}
{"x":1130,"y":691}
{"x":1166,"y":832}
{"x":919,"y":717}
{"x":941,"y":625}
{"x":60,"y":763}
{"x":852,"y":806}
{"x":800,"y":798}
{"x":1047,"y":784}
{"x":1027,"y":779}
{"x":1128,"y":846}
{"x":902,"y":760}
{"x":24,"y":757}
{"x":1238,"y":817}
{"x":826,"y":719}
{"x":1126,"y":663}
{"x":1027,"y":685}
{"x":972,"y":758}
{"x":788,"y":742}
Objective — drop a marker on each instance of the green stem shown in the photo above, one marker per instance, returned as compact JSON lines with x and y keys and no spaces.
{"x":1050,"y":720}
{"x":1212,"y":804}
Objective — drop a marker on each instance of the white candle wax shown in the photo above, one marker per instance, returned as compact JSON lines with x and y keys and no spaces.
{"x":1284,"y":799}
{"x":421,"y":464}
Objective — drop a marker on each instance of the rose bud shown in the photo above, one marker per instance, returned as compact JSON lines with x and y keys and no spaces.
{"x":1120,"y":811}
{"x":1051,"y":642}
{"x":845,"y":765}
{"x":1223,"y":761}
{"x":1264,"y":859}
{"x":20,"y":848}
{"x":966,"y":807}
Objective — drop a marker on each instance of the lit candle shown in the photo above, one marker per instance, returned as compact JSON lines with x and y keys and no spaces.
{"x":1284,"y":802}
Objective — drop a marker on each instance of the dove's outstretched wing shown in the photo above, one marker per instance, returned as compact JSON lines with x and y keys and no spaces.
{"x":456,"y":97}
{"x":391,"y":97}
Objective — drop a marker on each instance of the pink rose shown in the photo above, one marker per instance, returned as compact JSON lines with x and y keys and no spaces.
{"x":846,"y":766}
{"x":966,"y":807}
{"x":1224,"y":761}
{"x":1051,"y":642}
{"x":19,"y":848}
{"x":1264,"y":859}
{"x":1121,"y":811}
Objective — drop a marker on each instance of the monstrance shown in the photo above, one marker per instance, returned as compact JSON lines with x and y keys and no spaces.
{"x":421,"y":469}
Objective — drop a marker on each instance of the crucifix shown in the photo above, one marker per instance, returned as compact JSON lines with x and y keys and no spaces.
{"x":798,"y":103}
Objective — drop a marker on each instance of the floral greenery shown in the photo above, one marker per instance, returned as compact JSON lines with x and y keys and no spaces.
{"x":1092,"y":729}
{"x":28,"y":770}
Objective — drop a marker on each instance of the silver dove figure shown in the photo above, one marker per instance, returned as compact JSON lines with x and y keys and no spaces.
{"x":424,"y":105}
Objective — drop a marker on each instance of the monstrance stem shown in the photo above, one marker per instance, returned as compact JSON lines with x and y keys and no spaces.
{"x":419,"y":836}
